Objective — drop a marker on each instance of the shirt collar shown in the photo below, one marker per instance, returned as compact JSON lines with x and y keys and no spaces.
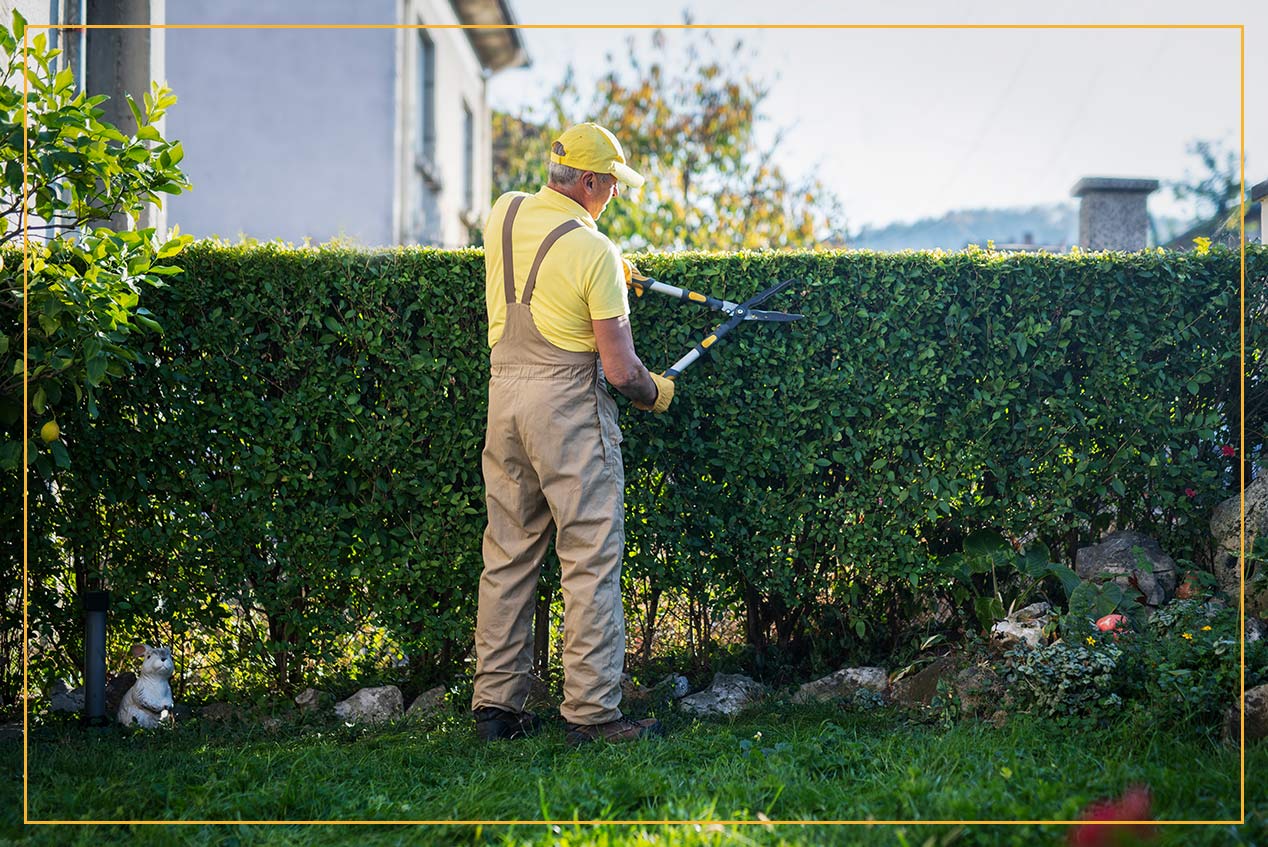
{"x":567,"y":205}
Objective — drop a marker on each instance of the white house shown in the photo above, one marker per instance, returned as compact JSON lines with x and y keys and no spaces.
{"x":308,"y":119}
{"x":377,"y":135}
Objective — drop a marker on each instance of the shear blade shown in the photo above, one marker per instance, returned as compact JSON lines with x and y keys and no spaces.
{"x":783,"y":317}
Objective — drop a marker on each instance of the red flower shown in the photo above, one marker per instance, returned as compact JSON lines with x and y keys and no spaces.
{"x":1189,"y":492}
{"x":1229,"y":451}
{"x":1132,"y":806}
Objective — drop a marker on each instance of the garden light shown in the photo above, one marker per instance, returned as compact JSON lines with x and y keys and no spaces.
{"x":95,"y":605}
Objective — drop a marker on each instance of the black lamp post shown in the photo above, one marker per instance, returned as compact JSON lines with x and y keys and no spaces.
{"x":95,"y":605}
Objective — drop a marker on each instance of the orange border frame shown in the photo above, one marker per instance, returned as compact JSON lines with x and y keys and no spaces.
{"x":1241,"y":28}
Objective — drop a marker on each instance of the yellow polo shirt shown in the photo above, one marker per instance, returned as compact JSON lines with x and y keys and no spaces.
{"x":580,"y":280}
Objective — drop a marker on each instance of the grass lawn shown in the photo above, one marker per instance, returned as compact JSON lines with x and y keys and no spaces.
{"x":784,"y":762}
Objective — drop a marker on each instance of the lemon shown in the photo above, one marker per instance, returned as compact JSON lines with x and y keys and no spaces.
{"x":50,"y":432}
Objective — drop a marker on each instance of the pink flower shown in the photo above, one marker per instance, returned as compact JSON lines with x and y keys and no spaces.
{"x":1189,"y":492}
{"x":1132,"y":806}
{"x":1229,"y":451}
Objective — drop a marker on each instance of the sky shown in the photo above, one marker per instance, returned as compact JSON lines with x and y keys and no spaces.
{"x":903,"y":124}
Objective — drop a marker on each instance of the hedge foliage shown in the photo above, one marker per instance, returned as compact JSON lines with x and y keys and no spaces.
{"x":299,"y":461}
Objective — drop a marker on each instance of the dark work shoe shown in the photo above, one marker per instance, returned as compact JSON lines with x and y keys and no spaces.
{"x":493,"y":723}
{"x":621,"y":729}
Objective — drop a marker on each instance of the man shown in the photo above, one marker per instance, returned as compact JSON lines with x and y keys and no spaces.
{"x":558,"y":326}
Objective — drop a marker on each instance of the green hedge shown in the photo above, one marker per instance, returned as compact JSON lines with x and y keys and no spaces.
{"x":299,"y":462}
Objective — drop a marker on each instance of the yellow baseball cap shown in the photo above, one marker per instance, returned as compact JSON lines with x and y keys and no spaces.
{"x":590,"y":147}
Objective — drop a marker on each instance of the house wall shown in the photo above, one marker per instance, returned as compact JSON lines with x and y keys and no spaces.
{"x":425,"y":215}
{"x":288,"y":133}
{"x":35,"y":11}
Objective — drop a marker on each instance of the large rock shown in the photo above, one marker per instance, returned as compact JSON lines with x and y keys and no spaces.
{"x":61,"y":699}
{"x":919,"y":688}
{"x":429,"y":702}
{"x":632,"y":692}
{"x":673,"y":687}
{"x":976,"y":683}
{"x":1256,"y":717}
{"x":1024,"y":626}
{"x":312,"y":700}
{"x":843,"y":685}
{"x":726,"y":696}
{"x":1226,"y":531}
{"x":372,"y":705}
{"x":1115,"y":559}
{"x":116,"y":687}
{"x":980,"y":689}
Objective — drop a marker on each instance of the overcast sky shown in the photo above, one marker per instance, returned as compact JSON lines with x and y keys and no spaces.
{"x":905,"y":123}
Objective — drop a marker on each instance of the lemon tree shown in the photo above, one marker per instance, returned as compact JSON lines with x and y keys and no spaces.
{"x":84,"y":275}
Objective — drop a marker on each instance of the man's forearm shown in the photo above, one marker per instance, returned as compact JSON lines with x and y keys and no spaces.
{"x":636,"y":385}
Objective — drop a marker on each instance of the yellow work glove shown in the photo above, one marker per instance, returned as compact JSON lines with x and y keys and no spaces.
{"x":633,"y":274}
{"x":664,"y":394}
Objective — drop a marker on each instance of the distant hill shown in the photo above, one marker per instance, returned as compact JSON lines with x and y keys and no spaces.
{"x":1054,"y":226}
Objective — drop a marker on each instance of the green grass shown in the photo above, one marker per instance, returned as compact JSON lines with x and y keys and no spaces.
{"x":784,"y":762}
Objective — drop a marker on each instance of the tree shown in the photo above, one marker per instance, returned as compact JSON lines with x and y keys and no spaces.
{"x":84,"y":278}
{"x":64,"y":176}
{"x":691,"y":127}
{"x":1216,"y":188}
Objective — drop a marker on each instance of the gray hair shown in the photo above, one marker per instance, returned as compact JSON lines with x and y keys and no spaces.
{"x":564,"y":176}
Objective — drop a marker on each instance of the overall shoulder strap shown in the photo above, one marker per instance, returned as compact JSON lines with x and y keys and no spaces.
{"x":508,"y":251}
{"x":555,"y":234}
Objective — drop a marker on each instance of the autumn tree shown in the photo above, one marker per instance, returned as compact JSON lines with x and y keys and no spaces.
{"x":690,"y":124}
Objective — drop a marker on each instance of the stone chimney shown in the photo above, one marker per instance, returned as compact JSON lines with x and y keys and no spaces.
{"x":1112,"y":213}
{"x":1259,"y":194}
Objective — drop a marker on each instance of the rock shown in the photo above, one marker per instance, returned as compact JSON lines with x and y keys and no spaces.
{"x":1033,"y":612}
{"x":60,"y":699}
{"x":270,"y":723}
{"x":1254,"y":629}
{"x":217,"y":712}
{"x":673,"y":686}
{"x":1024,"y":626}
{"x":631,"y":691}
{"x":842,"y":685}
{"x":979,"y":689}
{"x":726,"y":696}
{"x":372,"y":705}
{"x":116,"y":687}
{"x":1115,"y":559}
{"x":430,"y":701}
{"x":977,"y":685}
{"x":1226,"y":532}
{"x":312,"y":700}
{"x":919,"y":688}
{"x":1256,"y":717}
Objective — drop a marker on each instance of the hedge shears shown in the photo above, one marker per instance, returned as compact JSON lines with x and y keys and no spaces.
{"x":736,"y":313}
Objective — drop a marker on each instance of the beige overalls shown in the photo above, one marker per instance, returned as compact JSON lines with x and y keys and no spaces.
{"x":552,"y":463}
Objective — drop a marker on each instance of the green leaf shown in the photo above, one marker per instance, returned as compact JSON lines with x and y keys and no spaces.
{"x":136,"y":111}
{"x":985,"y":542}
{"x":1069,"y":579}
{"x":60,"y":456}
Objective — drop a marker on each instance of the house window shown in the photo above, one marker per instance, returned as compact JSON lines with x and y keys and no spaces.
{"x":425,"y":147}
{"x":468,"y":158}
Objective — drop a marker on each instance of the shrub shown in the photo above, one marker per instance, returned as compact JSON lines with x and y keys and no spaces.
{"x":297,"y":473}
{"x":1069,"y":680}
